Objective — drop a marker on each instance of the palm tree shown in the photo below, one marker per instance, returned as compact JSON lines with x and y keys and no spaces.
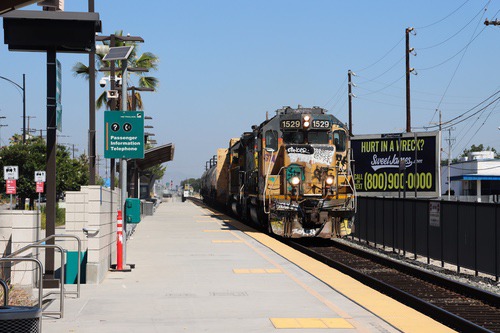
{"x":147,"y":60}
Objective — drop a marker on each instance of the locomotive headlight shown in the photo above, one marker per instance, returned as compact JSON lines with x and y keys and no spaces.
{"x":306,"y":121}
{"x":329,"y":180}
{"x":295,"y":181}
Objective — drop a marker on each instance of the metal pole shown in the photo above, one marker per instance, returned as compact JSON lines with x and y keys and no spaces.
{"x":123,"y":163}
{"x":113,"y":107}
{"x":92,"y":131}
{"x":50,"y":206}
{"x":415,"y":181}
{"x":24,"y":109}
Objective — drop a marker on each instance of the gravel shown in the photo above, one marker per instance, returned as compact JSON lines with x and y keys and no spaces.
{"x":466,"y":276}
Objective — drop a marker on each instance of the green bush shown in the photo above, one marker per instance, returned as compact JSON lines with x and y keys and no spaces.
{"x":60,"y":216}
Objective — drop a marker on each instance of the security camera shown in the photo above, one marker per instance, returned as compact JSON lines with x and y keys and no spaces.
{"x":102,"y":83}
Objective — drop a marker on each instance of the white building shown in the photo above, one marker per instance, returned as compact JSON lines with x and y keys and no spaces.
{"x":475,"y":178}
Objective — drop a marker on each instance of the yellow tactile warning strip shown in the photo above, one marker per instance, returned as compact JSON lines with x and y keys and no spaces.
{"x":227,"y":241}
{"x":310,"y":323}
{"x":256,"y":271}
{"x":395,"y":313}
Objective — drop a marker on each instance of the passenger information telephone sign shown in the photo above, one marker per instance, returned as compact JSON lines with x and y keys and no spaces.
{"x":124,"y":134}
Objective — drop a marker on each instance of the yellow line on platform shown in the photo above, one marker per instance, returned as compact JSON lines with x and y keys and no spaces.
{"x":283,"y":323}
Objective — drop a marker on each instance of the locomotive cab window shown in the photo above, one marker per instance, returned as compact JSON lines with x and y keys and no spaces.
{"x":272,"y":140}
{"x":319,"y":137}
{"x":293,"y":137}
{"x":339,"y":140}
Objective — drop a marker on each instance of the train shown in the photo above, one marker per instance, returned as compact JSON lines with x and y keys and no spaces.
{"x":291,"y":175}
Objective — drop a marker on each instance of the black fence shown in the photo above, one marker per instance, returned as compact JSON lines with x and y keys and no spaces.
{"x":465,"y":234}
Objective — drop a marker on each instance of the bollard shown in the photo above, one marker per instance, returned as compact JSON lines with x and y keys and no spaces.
{"x":119,"y":241}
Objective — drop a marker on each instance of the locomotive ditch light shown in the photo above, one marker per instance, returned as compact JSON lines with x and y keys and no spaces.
{"x":295,"y":181}
{"x":329,"y":180}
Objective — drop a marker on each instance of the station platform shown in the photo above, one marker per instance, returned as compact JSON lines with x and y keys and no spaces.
{"x":200,"y":271}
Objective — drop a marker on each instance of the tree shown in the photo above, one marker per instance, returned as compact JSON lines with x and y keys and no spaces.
{"x":480,"y":147}
{"x":147,"y":60}
{"x":194,"y":182}
{"x":31,"y":157}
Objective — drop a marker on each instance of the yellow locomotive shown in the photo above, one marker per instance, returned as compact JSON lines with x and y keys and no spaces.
{"x":291,"y":174}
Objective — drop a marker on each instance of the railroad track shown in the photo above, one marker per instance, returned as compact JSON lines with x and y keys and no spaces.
{"x":455,"y":304}
{"x":459,"y":306}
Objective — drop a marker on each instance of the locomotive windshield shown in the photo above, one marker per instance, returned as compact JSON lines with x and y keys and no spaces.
{"x":310,"y":137}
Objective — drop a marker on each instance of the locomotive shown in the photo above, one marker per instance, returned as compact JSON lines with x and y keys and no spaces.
{"x":291,"y":175}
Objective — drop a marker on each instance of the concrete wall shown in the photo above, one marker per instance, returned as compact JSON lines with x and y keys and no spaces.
{"x":94,"y":208}
{"x":18,"y":229}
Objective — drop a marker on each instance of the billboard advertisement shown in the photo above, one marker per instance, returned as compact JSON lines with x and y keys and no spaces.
{"x":397,"y":164}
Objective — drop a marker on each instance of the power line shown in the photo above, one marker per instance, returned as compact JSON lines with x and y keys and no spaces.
{"x":444,"y":18}
{"x":455,"y":34}
{"x":379,"y":60}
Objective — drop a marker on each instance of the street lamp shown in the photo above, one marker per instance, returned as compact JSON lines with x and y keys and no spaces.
{"x":23,"y":88}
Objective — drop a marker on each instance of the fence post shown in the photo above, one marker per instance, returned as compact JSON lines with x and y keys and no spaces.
{"x":458,"y":239}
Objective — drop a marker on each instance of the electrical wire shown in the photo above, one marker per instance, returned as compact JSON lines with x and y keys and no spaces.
{"x":459,"y":63}
{"x":444,"y":18}
{"x":470,"y":110}
{"x":385,"y":55}
{"x":342,"y":85}
{"x":455,"y":34}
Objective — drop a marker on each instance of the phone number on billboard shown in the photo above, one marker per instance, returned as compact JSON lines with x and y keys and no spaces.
{"x":384,"y":181}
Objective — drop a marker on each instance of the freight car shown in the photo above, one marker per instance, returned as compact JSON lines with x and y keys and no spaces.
{"x":291,"y":175}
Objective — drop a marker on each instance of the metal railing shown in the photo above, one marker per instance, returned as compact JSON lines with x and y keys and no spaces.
{"x":79,"y":242}
{"x":62,"y":291}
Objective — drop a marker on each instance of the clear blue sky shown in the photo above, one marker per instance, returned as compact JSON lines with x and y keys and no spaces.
{"x":223,"y":64}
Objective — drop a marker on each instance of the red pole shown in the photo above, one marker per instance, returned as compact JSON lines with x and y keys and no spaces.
{"x":119,"y":241}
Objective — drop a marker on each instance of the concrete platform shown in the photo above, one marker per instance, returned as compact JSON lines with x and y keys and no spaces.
{"x":196,"y":271}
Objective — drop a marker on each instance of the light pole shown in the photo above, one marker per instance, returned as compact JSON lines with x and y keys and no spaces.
{"x":23,"y":88}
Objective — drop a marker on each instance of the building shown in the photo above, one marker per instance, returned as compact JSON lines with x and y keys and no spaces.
{"x":475,"y":178}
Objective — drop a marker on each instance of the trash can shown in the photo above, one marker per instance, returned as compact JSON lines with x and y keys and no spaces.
{"x":132,"y":210}
{"x":20,"y":319}
{"x":147,"y":208}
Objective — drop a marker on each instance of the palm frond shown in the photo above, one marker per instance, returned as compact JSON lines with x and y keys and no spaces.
{"x":147,"y":60}
{"x":81,"y":70}
{"x":149,"y":82}
{"x":102,"y":100}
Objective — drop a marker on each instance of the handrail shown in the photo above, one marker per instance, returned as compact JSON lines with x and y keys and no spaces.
{"x":40,"y":279}
{"x":61,"y":292}
{"x":79,"y":242}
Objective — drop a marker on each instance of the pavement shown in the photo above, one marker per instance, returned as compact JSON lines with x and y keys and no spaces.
{"x":195,"y":272}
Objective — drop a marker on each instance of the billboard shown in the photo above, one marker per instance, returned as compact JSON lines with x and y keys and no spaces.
{"x":397,"y":164}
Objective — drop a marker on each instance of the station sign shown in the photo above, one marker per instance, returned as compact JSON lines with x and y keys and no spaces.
{"x":124,"y":134}
{"x":10,"y":172}
{"x":40,"y":176}
{"x":10,"y":186}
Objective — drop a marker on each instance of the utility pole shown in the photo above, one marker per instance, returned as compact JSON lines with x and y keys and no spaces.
{"x":2,"y":125}
{"x":450,"y":143}
{"x":408,"y":50}
{"x":350,"y":96}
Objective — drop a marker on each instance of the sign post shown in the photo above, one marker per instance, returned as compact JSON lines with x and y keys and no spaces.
{"x":10,"y":175}
{"x":40,"y":178}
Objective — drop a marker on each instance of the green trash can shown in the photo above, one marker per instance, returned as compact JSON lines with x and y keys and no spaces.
{"x":133,"y":210}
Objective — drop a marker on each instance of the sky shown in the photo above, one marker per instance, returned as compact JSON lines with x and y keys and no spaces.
{"x":224,"y":64}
